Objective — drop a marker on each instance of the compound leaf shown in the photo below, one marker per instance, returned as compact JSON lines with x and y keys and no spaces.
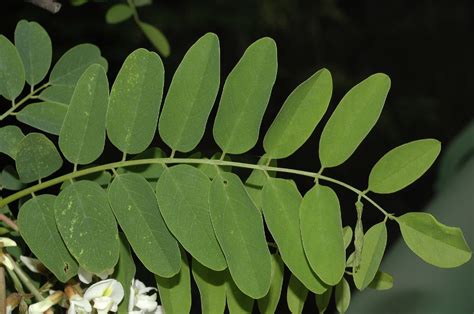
{"x":69,"y":68}
{"x":87,"y":226}
{"x":175,"y":292}
{"x":296,"y":295}
{"x":352,"y":120}
{"x":269,"y":303}
{"x":150,"y":172}
{"x":10,"y":137}
{"x":403,"y":165}
{"x":257,"y":180}
{"x":299,"y":115}
{"x":12,"y":71}
{"x":36,"y":158}
{"x":281,"y":209}
{"x":134,"y":204}
{"x":212,"y":288}
{"x":434,"y":242}
{"x":245,"y":97}
{"x":321,"y":232}
{"x":183,"y":196}
{"x":45,"y":116}
{"x":135,"y":102}
{"x":118,"y":13}
{"x":238,"y":226}
{"x":82,"y":135}
{"x":375,"y":240}
{"x":184,"y":116}
{"x":35,"y":49}
{"x":38,"y":228}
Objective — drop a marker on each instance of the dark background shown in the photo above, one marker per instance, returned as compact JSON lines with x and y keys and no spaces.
{"x":426,"y":47}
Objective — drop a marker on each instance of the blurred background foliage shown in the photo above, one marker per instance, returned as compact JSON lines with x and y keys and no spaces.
{"x":425,"y":46}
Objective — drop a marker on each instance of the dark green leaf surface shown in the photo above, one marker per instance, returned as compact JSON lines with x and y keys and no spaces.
{"x":69,"y":68}
{"x":124,"y":272}
{"x":45,"y":116}
{"x":296,"y":295}
{"x":38,"y":228}
{"x":156,"y":37}
{"x":434,"y":242}
{"x":175,"y":292}
{"x":239,"y":229}
{"x":257,"y":180}
{"x":184,"y":116}
{"x":212,"y":288}
{"x":213,"y":171}
{"x":245,"y":97}
{"x":352,"y":120}
{"x":149,"y":171}
{"x":403,"y":165}
{"x":299,"y":115}
{"x":321,"y":232}
{"x":269,"y":303}
{"x":12,"y":72}
{"x":35,"y":49}
{"x":237,"y":302}
{"x":9,"y":179}
{"x":87,"y":226}
{"x":135,"y":102}
{"x":36,"y":158}
{"x":118,"y":13}
{"x":82,"y":135}
{"x":183,"y":196}
{"x":134,"y":204}
{"x":102,"y":178}
{"x":281,"y":204}
{"x":58,"y":94}
{"x":375,"y":240}
{"x":10,"y":137}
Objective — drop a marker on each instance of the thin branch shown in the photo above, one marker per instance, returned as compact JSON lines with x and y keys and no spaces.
{"x":8,"y":222}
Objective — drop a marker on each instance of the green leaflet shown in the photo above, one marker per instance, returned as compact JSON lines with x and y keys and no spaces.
{"x":257,"y":180}
{"x":82,"y":135}
{"x":269,"y":303}
{"x":87,"y":226}
{"x":354,"y":117}
{"x":245,"y":97}
{"x":58,"y":94}
{"x":134,"y":204}
{"x":156,"y":37}
{"x":382,"y":281}
{"x":322,"y":300}
{"x":375,"y":240}
{"x":403,"y":165}
{"x":434,"y":242}
{"x":45,"y":116}
{"x":150,"y":171}
{"x":347,"y":236}
{"x":237,"y":301}
{"x":238,"y":226}
{"x":296,"y":295}
{"x":35,"y":49}
{"x":69,"y":68}
{"x":124,"y":272}
{"x":135,"y":102}
{"x":281,"y":209}
{"x":175,"y":292}
{"x":213,"y":171}
{"x":321,"y":232}
{"x":38,"y":229}
{"x":12,"y":72}
{"x":9,"y":179}
{"x":118,"y":13}
{"x":184,"y":115}
{"x":183,"y":195}
{"x":102,"y":178}
{"x":10,"y":137}
{"x":212,"y":288}
{"x":342,"y":296}
{"x":299,"y":115}
{"x":36,"y":158}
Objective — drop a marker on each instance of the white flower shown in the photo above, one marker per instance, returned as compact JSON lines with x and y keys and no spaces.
{"x":43,"y":306}
{"x":78,"y":305}
{"x":6,"y":242}
{"x":33,"y":264}
{"x":106,"y":294}
{"x":86,"y":276}
{"x":140,"y":301}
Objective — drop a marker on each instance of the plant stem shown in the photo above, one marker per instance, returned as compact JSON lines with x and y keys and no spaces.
{"x":8,"y":222}
{"x":127,"y":163}
{"x":24,"y":279}
{"x":21,"y":102}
